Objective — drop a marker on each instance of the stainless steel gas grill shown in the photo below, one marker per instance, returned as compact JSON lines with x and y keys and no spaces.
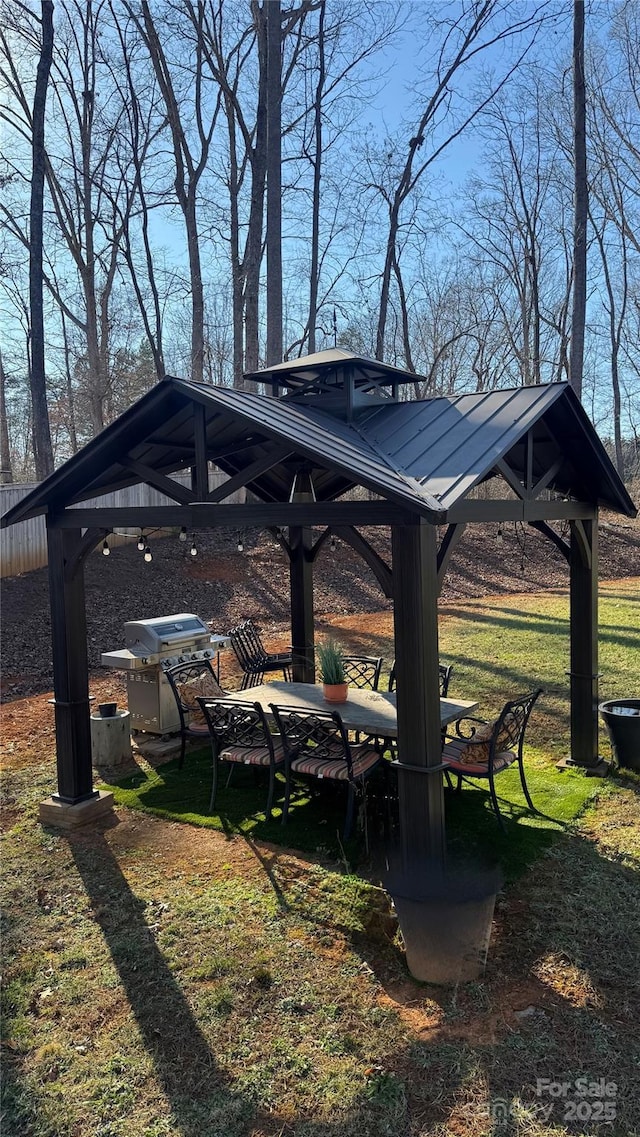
{"x":150,"y":647}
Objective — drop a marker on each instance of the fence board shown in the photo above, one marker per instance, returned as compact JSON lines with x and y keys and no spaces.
{"x":23,"y":547}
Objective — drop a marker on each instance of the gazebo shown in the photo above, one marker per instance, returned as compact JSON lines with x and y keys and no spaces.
{"x":334,"y":421}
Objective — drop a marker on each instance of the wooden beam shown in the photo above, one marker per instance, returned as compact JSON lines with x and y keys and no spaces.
{"x":159,"y":481}
{"x":243,"y":477}
{"x":583,"y":592}
{"x":70,"y":667}
{"x":415,"y":609}
{"x":361,"y":546}
{"x":447,"y":545}
{"x":259,"y":514}
{"x":499,"y":510}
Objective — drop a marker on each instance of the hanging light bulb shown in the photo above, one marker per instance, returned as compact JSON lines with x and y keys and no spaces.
{"x":499,"y":537}
{"x":333,"y":542}
{"x":194,"y":549}
{"x":183,"y":534}
{"x":240,"y":545}
{"x":105,"y":548}
{"x":148,"y":555}
{"x":141,"y":543}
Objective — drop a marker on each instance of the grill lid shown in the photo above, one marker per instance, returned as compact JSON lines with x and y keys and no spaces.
{"x":162,"y":632}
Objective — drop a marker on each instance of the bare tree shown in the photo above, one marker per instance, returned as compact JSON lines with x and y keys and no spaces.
{"x":6,"y":469}
{"x":581,"y":202}
{"x":479,"y":27}
{"x":43,"y":452}
{"x":190,"y":158}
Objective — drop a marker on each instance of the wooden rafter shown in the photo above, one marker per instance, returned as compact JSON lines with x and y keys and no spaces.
{"x":159,"y":481}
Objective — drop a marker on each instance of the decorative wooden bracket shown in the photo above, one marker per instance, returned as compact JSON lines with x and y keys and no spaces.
{"x":379,"y":568}
{"x":85,"y":545}
{"x":447,"y":545}
{"x":547,"y":531}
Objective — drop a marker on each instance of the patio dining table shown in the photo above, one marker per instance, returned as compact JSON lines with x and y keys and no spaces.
{"x":371,"y":712}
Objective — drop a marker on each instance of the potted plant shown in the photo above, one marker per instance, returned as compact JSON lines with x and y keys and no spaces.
{"x":332,"y":673}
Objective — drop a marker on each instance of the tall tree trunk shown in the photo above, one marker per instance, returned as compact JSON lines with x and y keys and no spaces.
{"x":581,"y":202}
{"x":258,"y":159}
{"x":274,"y":182}
{"x":6,"y":470}
{"x":317,"y":171}
{"x":43,"y":451}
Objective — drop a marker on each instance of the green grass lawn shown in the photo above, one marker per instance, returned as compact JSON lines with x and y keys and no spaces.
{"x":167,"y":980}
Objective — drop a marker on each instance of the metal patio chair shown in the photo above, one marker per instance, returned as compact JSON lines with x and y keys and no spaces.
{"x":316,"y":745}
{"x":240,"y":735}
{"x":253,"y":656}
{"x":363,"y":671}
{"x":187,"y":681}
{"x":491,"y":747}
{"x":445,"y":678}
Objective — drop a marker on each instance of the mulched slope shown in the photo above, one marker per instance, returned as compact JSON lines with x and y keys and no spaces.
{"x":224,"y":586}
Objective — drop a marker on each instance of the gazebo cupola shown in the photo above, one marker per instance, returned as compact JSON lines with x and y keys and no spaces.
{"x":336,"y":381}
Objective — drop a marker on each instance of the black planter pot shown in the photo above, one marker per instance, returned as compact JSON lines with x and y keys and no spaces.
{"x":622,"y":720}
{"x":445,"y":925}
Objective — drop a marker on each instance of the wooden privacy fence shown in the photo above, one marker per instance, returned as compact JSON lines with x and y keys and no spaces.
{"x":24,"y":546}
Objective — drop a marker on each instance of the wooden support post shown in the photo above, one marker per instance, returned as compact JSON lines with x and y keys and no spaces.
{"x":301,"y":580}
{"x":70,"y":668}
{"x":583,"y":563}
{"x":421,"y":798}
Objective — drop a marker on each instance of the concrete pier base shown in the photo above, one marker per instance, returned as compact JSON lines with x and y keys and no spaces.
{"x":65,"y":816}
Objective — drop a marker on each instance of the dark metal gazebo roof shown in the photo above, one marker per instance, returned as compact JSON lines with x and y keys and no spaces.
{"x":424,"y":455}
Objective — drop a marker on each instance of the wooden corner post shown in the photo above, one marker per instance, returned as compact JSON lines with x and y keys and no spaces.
{"x":76,"y":802}
{"x":415,"y":593}
{"x":583,"y":562}
{"x":301,"y":583}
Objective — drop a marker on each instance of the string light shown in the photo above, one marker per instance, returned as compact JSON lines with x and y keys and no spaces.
{"x":148,"y":555}
{"x":194,"y":548}
{"x":106,"y":551}
{"x":333,"y":542}
{"x":499,"y":537}
{"x":142,"y":545}
{"x":240,"y":543}
{"x":183,"y":534}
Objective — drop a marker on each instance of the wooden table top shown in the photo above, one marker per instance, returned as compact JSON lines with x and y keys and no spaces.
{"x":372,"y":712}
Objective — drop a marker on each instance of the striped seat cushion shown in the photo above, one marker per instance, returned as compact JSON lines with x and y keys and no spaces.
{"x":364,"y":760}
{"x":197,"y":727}
{"x":459,"y":755}
{"x":252,"y":755}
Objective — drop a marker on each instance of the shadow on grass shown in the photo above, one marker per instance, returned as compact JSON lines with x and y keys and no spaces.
{"x":185,"y":1065}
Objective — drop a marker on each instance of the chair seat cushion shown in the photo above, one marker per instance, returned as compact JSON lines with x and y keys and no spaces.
{"x":336,"y":769}
{"x":470,"y":757}
{"x":252,"y":755}
{"x":198,"y":727}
